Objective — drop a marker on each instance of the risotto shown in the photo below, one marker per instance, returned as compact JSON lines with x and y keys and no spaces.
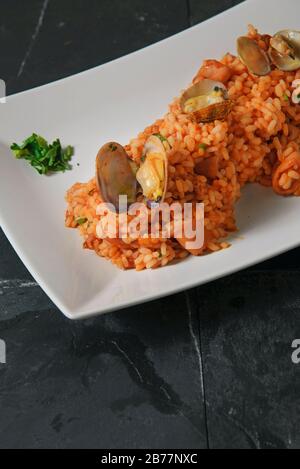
{"x":209,"y":162}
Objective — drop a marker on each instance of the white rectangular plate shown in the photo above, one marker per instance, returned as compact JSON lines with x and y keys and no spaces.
{"x":110,"y":103}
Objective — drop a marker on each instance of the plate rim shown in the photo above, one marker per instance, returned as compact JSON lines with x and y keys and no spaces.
{"x":71,"y":313}
{"x":91,"y":312}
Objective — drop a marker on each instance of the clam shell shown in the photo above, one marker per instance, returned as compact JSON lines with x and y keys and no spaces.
{"x":255,"y":59}
{"x":115,"y":175}
{"x":292,"y":37}
{"x":214,"y":112}
{"x":159,"y":146}
{"x":210,"y":112}
{"x":286,"y":62}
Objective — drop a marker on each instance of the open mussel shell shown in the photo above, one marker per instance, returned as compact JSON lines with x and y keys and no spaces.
{"x":255,"y":59}
{"x":115,"y":175}
{"x":206,"y":101}
{"x":286,"y":53}
{"x":152,"y":174}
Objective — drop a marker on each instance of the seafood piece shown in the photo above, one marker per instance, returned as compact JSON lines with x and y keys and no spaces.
{"x":280,"y":45}
{"x":206,"y":101}
{"x":115,"y":174}
{"x":214,"y":70}
{"x":264,"y":42}
{"x":255,"y":58}
{"x":284,"y":62}
{"x":152,"y":175}
{"x":208,"y":167}
{"x":285,"y":50}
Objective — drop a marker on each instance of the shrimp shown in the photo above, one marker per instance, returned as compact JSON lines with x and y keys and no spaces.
{"x":214,"y":70}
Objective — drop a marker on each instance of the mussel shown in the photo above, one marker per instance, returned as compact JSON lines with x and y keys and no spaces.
{"x":255,"y":58}
{"x":117,"y":174}
{"x":284,"y":50}
{"x":206,"y":101}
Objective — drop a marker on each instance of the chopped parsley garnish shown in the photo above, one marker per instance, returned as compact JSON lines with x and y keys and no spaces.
{"x":42,"y":156}
{"x":285,"y":97}
{"x":112,"y":147}
{"x":298,"y":96}
{"x":81,"y":220}
{"x":217,"y":88}
{"x":202,"y":146}
{"x":161,"y":137}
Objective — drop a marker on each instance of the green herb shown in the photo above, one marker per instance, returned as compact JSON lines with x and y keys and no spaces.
{"x":285,"y":97}
{"x":217,"y":88}
{"x":298,"y":96}
{"x":81,"y":220}
{"x":112,"y":147}
{"x":202,"y":146}
{"x":43,"y":157}
{"x":161,"y":137}
{"x":143,"y":158}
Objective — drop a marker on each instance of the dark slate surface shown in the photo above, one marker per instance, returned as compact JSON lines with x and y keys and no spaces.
{"x":252,"y":387}
{"x":51,"y":39}
{"x":129,"y":379}
{"x":207,"y":368}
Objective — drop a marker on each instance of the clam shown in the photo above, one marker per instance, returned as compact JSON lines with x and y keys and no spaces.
{"x":206,"y":101}
{"x":255,"y":58}
{"x":285,"y":50}
{"x":152,"y":174}
{"x":279,"y":44}
{"x":115,"y":174}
